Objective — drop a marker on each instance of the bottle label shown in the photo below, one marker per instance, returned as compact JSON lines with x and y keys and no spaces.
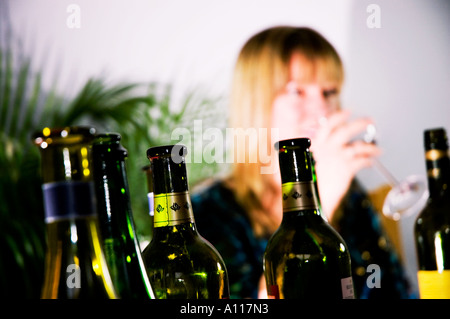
{"x":434,"y":284}
{"x":299,"y":196}
{"x":434,"y":155}
{"x":273,"y":292}
{"x":347,"y":288}
{"x":64,"y":200}
{"x":172,"y":209}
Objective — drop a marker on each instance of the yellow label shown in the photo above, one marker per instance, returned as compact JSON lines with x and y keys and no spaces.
{"x":172,"y":209}
{"x":298,"y":196}
{"x":434,"y":284}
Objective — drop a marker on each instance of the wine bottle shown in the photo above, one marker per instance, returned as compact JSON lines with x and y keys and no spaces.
{"x":120,"y":242}
{"x":305,"y":257}
{"x":432,"y":227}
{"x":180,"y":263}
{"x":75,"y":266}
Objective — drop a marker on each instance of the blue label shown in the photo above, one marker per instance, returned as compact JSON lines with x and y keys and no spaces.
{"x":68,"y":200}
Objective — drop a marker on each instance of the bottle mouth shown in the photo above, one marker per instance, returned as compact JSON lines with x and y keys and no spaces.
{"x":436,"y":139}
{"x":64,"y":135}
{"x":294,"y":143}
{"x":107,"y":138}
{"x":107,"y":145}
{"x":177,"y":152}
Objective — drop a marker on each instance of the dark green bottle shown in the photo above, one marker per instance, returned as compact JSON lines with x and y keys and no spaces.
{"x":432,"y":228}
{"x":180,"y":263}
{"x":117,"y":228}
{"x":305,"y":258}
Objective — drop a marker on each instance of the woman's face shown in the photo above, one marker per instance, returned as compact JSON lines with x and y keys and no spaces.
{"x":300,"y":107}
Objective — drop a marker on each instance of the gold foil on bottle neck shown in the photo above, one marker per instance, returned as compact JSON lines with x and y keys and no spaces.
{"x":172,"y":209}
{"x":299,"y":196}
{"x":433,"y":155}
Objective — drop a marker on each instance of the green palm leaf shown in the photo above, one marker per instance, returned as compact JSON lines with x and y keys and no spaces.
{"x":143,"y":119}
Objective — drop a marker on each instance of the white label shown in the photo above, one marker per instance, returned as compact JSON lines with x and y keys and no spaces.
{"x":347,"y":288}
{"x":150,"y":204}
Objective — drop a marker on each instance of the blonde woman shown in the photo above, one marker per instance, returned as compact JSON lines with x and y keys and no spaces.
{"x":286,"y":84}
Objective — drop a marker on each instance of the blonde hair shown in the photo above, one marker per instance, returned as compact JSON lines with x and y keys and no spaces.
{"x":262,"y":72}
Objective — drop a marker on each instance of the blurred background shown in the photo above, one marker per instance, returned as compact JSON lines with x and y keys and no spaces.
{"x":144,"y":68}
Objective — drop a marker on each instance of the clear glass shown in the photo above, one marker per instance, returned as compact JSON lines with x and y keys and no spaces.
{"x":406,"y":196}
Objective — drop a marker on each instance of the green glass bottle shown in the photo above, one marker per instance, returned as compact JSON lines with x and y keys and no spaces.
{"x":120,"y":242}
{"x":305,"y":258}
{"x":75,"y":266}
{"x":180,"y":263}
{"x":432,"y":227}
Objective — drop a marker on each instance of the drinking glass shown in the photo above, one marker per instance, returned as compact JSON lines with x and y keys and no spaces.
{"x":406,"y":196}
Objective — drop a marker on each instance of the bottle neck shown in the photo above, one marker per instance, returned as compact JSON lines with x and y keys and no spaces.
{"x":67,"y":172}
{"x":299,"y":192}
{"x":172,"y":203}
{"x":110,"y":177}
{"x":168,"y":176}
{"x":438,"y":172}
{"x":295,"y":165}
{"x":65,"y":154}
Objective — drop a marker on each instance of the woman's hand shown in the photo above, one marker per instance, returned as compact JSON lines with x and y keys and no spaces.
{"x":338,"y":158}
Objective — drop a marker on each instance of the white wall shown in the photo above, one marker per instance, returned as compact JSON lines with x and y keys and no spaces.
{"x":189,"y":43}
{"x":399,"y":74}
